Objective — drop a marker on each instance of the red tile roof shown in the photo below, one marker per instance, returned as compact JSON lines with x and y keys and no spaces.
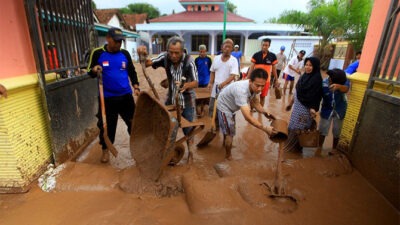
{"x":104,"y":16}
{"x":200,"y":16}
{"x":133,"y":19}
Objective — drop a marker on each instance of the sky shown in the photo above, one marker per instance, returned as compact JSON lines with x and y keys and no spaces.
{"x":257,"y":10}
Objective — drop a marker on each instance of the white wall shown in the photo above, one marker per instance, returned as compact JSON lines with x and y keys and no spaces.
{"x":114,"y":22}
{"x":131,"y":47}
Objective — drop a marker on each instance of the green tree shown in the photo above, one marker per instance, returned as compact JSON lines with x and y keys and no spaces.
{"x":94,"y":5}
{"x":231,"y":7}
{"x":332,"y":19}
{"x":151,"y":11}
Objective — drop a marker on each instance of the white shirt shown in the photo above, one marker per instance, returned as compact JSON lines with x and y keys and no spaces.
{"x":223,"y":70}
{"x":295,"y":63}
{"x":234,"y":96}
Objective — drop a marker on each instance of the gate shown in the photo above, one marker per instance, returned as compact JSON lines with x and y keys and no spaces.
{"x":375,"y":146}
{"x":63,"y":34}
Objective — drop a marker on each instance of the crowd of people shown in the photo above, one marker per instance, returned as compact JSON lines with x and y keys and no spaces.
{"x":229,"y":91}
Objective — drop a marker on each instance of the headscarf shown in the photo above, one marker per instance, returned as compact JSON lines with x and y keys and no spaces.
{"x":309,"y":86}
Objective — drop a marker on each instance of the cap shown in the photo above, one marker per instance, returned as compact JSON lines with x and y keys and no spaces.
{"x":303,"y":52}
{"x":116,"y":34}
{"x":282,"y":47}
{"x":236,"y":46}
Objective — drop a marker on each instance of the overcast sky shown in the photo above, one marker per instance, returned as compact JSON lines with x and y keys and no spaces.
{"x":258,"y":10}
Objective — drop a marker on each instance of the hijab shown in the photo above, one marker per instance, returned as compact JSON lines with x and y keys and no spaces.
{"x":309,"y":86}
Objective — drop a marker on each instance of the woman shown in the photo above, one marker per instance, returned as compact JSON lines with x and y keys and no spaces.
{"x":306,"y":102}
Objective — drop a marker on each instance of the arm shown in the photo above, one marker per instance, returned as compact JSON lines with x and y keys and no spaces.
{"x":250,"y":70}
{"x":255,"y":103}
{"x":94,"y":66}
{"x":3,"y":91}
{"x":247,"y":116}
{"x":211,"y":83}
{"x":339,"y":87}
{"x":227,"y":81}
{"x":193,"y":79}
{"x":294,"y":69}
{"x":275,"y":74}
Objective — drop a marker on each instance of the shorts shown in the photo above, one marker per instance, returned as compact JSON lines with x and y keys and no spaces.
{"x":287,"y":77}
{"x":227,"y":123}
{"x":264,"y":91}
{"x":325,"y":124}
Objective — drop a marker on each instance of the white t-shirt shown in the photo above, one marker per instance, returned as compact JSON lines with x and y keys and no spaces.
{"x":234,"y":96}
{"x":223,"y":70}
{"x":295,"y":64}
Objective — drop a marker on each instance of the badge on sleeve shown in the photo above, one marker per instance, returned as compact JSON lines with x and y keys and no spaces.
{"x":105,"y":63}
{"x":123,"y":65}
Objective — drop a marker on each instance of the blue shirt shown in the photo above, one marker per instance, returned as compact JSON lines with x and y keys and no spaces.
{"x":333,"y":101}
{"x":203,"y":68}
{"x":116,"y":69}
{"x":352,"y":68}
{"x":237,"y":55}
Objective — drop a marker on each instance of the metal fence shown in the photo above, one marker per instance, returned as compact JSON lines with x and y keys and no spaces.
{"x":386,"y":68}
{"x":62,"y":31}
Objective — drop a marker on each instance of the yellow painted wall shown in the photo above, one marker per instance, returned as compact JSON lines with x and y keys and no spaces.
{"x":24,"y":137}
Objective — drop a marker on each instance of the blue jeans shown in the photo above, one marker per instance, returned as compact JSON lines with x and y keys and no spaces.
{"x":188,"y":114}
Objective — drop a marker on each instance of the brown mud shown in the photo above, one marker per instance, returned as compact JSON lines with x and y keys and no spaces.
{"x":325,"y":190}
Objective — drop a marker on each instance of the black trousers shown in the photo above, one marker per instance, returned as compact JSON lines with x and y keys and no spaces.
{"x":116,"y":105}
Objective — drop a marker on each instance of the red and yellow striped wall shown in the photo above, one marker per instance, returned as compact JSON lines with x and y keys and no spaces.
{"x":25,"y":146}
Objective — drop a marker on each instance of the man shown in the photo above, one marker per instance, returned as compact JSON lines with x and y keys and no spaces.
{"x":237,"y":96}
{"x":223,"y":71}
{"x":177,"y":64}
{"x":203,"y":64}
{"x":282,"y":60}
{"x":266,"y":60}
{"x":117,"y":68}
{"x":237,"y":54}
{"x":352,"y":68}
{"x":294,"y":67}
{"x":3,"y":91}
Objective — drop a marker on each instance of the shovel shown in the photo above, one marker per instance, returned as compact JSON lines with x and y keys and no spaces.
{"x":210,"y":135}
{"x":109,"y":145}
{"x":142,"y":60}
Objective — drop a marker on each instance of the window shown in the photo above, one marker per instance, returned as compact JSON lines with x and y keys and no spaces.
{"x":63,"y":35}
{"x":199,"y":39}
{"x":235,"y":39}
{"x":198,"y":8}
{"x":212,"y":8}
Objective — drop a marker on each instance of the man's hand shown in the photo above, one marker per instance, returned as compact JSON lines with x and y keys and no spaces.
{"x":220,"y":86}
{"x":334,"y":87}
{"x":209,"y":86}
{"x":269,"y":116}
{"x":185,"y":86}
{"x":3,"y":91}
{"x":313,"y":113}
{"x":142,"y":50}
{"x":136,"y":92}
{"x":270,"y":131}
{"x":97,"y":68}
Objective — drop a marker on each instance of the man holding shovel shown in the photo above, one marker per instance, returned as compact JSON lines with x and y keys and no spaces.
{"x":237,"y":96}
{"x":178,"y":65}
{"x":116,"y":67}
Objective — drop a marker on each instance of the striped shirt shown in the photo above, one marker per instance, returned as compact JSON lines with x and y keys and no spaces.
{"x":188,"y":97}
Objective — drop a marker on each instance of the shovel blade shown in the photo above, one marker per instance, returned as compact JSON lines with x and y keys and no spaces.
{"x":210,"y":135}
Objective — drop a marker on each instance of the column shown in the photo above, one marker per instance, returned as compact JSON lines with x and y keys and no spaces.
{"x":150,"y":43}
{"x":212,"y":42}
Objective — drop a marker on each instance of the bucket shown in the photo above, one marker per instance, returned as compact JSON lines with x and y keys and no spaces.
{"x":308,"y":138}
{"x":282,"y":127}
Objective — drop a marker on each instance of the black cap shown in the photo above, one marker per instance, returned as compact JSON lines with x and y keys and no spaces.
{"x":116,"y":34}
{"x":303,"y":52}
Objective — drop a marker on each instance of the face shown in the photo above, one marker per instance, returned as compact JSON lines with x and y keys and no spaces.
{"x":113,"y":45}
{"x":301,"y":55}
{"x":175,"y":52}
{"x":236,"y":49}
{"x":282,"y":51}
{"x":257,"y":85}
{"x":227,"y":49}
{"x":358,"y":56}
{"x":308,"y":67}
{"x":203,"y":53}
{"x":264,"y":46}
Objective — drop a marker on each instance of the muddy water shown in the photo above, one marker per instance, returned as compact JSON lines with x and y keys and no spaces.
{"x":210,"y":191}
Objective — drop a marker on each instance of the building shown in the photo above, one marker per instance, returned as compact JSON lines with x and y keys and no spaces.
{"x":202,"y":23}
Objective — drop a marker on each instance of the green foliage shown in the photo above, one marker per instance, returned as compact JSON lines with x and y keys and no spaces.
{"x":94,"y":5}
{"x":346,"y":19}
{"x":232,"y":7}
{"x":136,"y":8}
